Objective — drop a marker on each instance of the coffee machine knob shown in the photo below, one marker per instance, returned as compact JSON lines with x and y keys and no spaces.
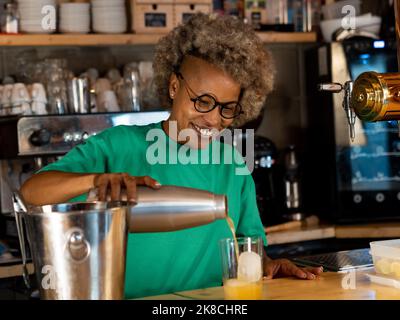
{"x":76,"y":137}
{"x":40,"y":137}
{"x":85,"y":136}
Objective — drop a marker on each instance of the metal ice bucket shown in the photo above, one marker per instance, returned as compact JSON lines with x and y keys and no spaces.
{"x":78,"y":249}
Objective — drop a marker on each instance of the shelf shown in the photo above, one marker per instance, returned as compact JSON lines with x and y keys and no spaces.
{"x":269,"y":37}
{"x":127,"y":39}
{"x":78,"y":39}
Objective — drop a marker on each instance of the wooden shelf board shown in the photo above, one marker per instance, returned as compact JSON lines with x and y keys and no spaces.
{"x":268,"y":37}
{"x":78,"y":39}
{"x":127,"y":39}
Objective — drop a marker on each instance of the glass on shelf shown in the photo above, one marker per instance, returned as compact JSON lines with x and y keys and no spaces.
{"x":129,"y":89}
{"x":10,"y":18}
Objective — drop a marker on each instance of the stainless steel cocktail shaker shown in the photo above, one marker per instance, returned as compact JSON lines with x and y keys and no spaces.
{"x":171,"y":208}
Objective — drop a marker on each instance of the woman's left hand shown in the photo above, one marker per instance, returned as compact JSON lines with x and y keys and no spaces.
{"x":285,"y":268}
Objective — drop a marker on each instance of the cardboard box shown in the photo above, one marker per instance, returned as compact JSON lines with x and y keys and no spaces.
{"x":182,"y":11}
{"x":152,"y":18}
{"x":161,"y":16}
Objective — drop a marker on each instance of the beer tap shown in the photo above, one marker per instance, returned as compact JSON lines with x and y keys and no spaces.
{"x":347,"y":88}
{"x":372,"y":97}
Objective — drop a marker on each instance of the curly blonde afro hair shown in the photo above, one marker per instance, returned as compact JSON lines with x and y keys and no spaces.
{"x":225,"y":42}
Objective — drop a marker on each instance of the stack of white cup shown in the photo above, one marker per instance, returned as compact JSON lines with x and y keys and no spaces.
{"x":109,"y":16}
{"x":19,"y":99}
{"x":75,"y":17}
{"x":39,"y":99}
{"x":106,"y":99}
{"x":38,"y":16}
{"x":6,"y":99}
{"x":15,"y":99}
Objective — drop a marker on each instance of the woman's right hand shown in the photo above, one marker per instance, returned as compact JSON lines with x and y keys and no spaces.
{"x":113,"y":183}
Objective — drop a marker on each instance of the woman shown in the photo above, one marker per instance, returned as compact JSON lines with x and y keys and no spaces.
{"x":213,"y":73}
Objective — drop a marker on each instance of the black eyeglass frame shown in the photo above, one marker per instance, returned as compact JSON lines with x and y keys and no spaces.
{"x":216,"y":103}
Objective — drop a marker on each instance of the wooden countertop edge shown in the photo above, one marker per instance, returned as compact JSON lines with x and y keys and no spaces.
{"x":282,"y":237}
{"x":376,"y":230}
{"x":383,"y":230}
{"x":14,"y":270}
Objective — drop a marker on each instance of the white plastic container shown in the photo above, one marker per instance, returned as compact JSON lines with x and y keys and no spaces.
{"x":334,"y":10}
{"x":384,"y":281}
{"x":386,"y":257}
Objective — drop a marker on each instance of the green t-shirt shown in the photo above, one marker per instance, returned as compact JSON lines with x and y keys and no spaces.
{"x":159,"y":263}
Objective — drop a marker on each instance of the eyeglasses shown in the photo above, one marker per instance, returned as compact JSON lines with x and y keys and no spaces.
{"x":207,"y":103}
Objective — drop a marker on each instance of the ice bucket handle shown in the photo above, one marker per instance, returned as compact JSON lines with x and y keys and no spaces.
{"x":19,"y":210}
{"x":78,"y":246}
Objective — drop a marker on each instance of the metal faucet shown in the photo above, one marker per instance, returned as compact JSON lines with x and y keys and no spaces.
{"x":347,"y":88}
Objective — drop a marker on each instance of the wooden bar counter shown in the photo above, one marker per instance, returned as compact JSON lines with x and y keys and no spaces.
{"x":329,"y":286}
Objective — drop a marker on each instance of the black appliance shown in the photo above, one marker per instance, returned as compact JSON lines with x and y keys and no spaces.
{"x":268,"y":175}
{"x":350,"y":181}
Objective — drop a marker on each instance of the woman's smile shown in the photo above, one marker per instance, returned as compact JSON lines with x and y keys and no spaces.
{"x":204,"y":131}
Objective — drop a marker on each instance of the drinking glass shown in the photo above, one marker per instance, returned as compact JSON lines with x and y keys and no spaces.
{"x":242,"y":279}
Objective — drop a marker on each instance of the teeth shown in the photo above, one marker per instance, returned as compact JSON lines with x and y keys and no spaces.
{"x":204,"y":132}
